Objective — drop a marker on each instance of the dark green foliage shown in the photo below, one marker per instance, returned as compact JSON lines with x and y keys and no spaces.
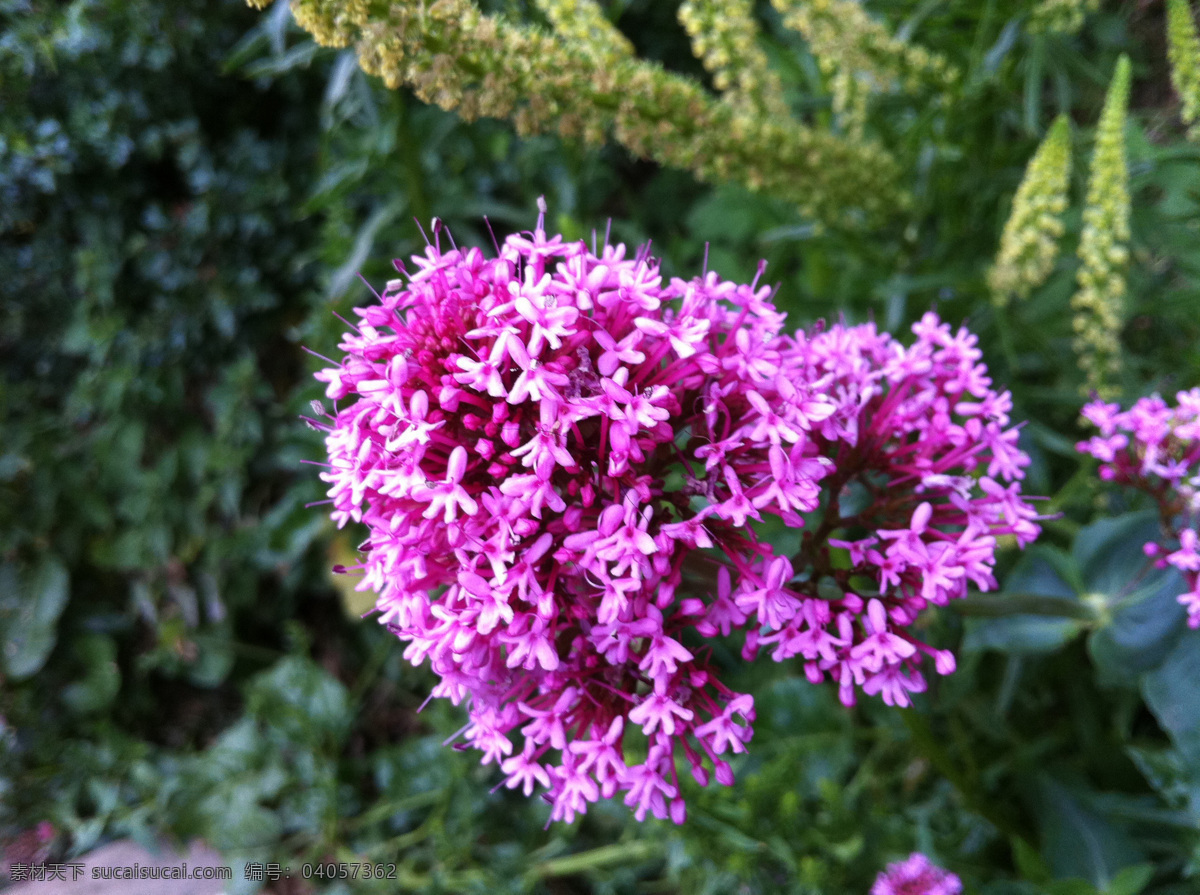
{"x":153,"y":277}
{"x":188,"y":189}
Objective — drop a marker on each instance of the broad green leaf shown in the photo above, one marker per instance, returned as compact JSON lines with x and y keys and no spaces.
{"x":215,"y":661}
{"x":233,"y":819}
{"x":1030,"y":863}
{"x":301,"y":700}
{"x":101,"y":679}
{"x":1131,"y":880}
{"x":1042,"y":571}
{"x":31,"y":603}
{"x":1109,"y":552}
{"x":1071,"y":887}
{"x":1141,"y":631}
{"x":340,"y":279}
{"x":1078,"y":841}
{"x":1140,"y":618}
{"x":1171,"y":691}
{"x":1169,"y":773}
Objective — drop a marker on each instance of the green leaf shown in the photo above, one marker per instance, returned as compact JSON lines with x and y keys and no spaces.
{"x":301,"y":700}
{"x":299,"y":56}
{"x":1170,"y":775}
{"x":215,"y":661}
{"x":1002,"y":47}
{"x":1078,"y":841}
{"x":333,"y":183}
{"x":1142,"y":631}
{"x":232,"y":819}
{"x":1032,"y":107}
{"x":1171,"y":693}
{"x":1131,"y":880}
{"x":1029,"y":862}
{"x":1109,"y":552}
{"x":102,"y":677}
{"x":339,"y":80}
{"x":1071,"y":887}
{"x":30,"y":606}
{"x":1043,"y":571}
{"x":341,"y":278}
{"x":1141,"y":619}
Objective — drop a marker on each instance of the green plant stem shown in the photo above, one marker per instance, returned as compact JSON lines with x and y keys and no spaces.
{"x":617,"y":853}
{"x":410,"y":159}
{"x":1004,"y":605}
{"x":1006,"y":341}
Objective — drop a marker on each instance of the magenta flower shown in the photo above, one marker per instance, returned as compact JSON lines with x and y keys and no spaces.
{"x":916,"y":875}
{"x":1155,"y":448}
{"x":558,"y":457}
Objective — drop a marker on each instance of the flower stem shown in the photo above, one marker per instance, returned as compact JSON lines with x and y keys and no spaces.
{"x":617,"y":853}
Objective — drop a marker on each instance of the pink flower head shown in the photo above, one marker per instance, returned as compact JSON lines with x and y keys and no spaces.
{"x":916,"y":875}
{"x":539,"y":444}
{"x":1155,"y":448}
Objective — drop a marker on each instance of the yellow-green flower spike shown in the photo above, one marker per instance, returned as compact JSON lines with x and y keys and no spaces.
{"x":453,"y":55}
{"x":724,"y":38}
{"x":859,"y":56}
{"x":1061,"y":16}
{"x":1183,"y":51}
{"x":332,"y":23}
{"x":1103,"y":250}
{"x":1029,"y":243}
{"x":583,"y":23}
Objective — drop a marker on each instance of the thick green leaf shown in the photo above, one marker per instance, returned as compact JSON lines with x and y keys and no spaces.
{"x":1078,"y":841}
{"x":1029,"y":861}
{"x":31,"y":603}
{"x":1071,"y":887}
{"x":340,"y":279}
{"x":1173,"y":693}
{"x":301,"y":700}
{"x":1109,"y":553}
{"x":102,"y":677}
{"x":1171,"y":776}
{"x":1131,"y":880}
{"x":1141,"y":631}
{"x":1140,"y":618}
{"x":215,"y":661}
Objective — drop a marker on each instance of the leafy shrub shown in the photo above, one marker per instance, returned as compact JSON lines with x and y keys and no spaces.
{"x":154,"y":277}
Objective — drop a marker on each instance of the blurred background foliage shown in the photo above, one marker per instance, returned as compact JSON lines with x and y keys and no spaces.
{"x":187,"y":193}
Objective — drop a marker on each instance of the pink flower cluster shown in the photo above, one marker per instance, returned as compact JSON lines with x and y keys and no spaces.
{"x":558,"y":455}
{"x":916,"y":875}
{"x":1155,"y":448}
